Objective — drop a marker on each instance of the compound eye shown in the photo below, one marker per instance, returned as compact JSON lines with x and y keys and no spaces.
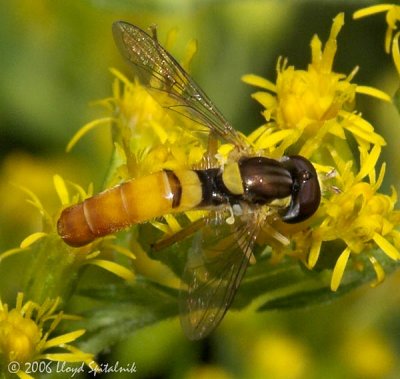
{"x":306,"y":192}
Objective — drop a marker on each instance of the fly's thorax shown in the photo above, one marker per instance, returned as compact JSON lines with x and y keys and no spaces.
{"x":232,"y":178}
{"x":252,"y":180}
{"x":264,"y":180}
{"x":290,"y":184}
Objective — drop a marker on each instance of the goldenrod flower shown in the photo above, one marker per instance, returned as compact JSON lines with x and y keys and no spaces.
{"x":26,"y":336}
{"x":308,"y":113}
{"x":307,"y":107}
{"x":359,"y":216}
{"x":153,"y":140}
{"x":146,"y":138}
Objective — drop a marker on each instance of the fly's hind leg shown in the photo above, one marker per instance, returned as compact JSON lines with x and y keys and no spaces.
{"x":179,"y":236}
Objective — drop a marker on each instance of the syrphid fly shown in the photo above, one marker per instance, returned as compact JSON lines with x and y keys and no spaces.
{"x":239,"y":194}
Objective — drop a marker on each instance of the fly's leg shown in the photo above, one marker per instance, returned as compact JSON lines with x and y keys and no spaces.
{"x":182,"y":234}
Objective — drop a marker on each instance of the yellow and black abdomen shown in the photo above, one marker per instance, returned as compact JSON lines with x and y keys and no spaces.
{"x":129,"y":203}
{"x":253,"y":180}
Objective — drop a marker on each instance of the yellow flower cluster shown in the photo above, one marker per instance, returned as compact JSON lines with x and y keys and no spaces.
{"x":308,"y":112}
{"x":311,"y":112}
{"x":94,"y":254}
{"x":25,"y":329}
{"x":153,"y":140}
{"x":25,"y":336}
{"x":308,"y":107}
{"x":146,"y":138}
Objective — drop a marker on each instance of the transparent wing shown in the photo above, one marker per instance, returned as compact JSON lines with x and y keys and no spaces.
{"x":215,"y":267}
{"x":168,"y":82}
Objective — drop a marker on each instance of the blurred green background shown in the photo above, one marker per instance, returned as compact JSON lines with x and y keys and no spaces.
{"x":55,"y":60}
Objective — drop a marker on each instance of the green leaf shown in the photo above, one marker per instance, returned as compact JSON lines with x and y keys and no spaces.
{"x":265,"y":279}
{"x":302,"y":297}
{"x":173,"y":256}
{"x":142,"y":292}
{"x":124,"y":310}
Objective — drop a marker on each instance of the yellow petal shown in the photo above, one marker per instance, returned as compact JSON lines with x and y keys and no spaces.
{"x":34,"y":199}
{"x":254,"y":135}
{"x":171,"y":38}
{"x":267,"y":141}
{"x":225,"y":149}
{"x":364,"y":12}
{"x":67,"y":357}
{"x":386,"y":247}
{"x":10,"y":252}
{"x":92,"y":255}
{"x":115,"y":268}
{"x":161,"y":226}
{"x":24,"y":375}
{"x":64,"y":338}
{"x":314,"y":253}
{"x":369,"y":163}
{"x":31,"y":239}
{"x":380,"y":273}
{"x":159,"y":131}
{"x":86,"y":357}
{"x":336,"y":129}
{"x":196,"y":215}
{"x":20,"y":299}
{"x":61,"y":189}
{"x":330,"y":48}
{"x":264,"y":98}
{"x":119,"y":75}
{"x":374,"y":92}
{"x":316,"y":50}
{"x":338,"y":271}
{"x":259,"y":81}
{"x":85,"y":129}
{"x":173,"y":223}
{"x":388,"y":39}
{"x":190,"y":52}
{"x":122,"y":250}
{"x":83,"y":195}
{"x":395,"y":52}
{"x":361,"y":128}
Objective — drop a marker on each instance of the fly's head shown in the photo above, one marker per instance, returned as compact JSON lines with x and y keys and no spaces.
{"x":305,"y":192}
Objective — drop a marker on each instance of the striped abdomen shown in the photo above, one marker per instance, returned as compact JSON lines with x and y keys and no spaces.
{"x":253,"y":180}
{"x":129,"y":203}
